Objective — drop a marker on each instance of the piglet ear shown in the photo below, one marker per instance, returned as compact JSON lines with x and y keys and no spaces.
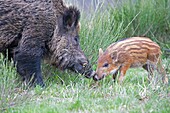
{"x":71,"y":17}
{"x":100,"y":52}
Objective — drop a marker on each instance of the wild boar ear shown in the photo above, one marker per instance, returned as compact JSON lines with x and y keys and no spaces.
{"x":71,"y":17}
{"x":100,"y":52}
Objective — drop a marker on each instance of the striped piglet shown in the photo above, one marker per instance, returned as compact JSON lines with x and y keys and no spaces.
{"x":127,"y":53}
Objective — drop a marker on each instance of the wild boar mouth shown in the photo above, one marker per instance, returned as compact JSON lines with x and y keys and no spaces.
{"x":85,"y":70}
{"x":66,"y":61}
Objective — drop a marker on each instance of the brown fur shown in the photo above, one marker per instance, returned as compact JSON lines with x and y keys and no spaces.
{"x":131,"y":52}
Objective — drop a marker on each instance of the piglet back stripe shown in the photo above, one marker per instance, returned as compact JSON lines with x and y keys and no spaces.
{"x":134,"y":42}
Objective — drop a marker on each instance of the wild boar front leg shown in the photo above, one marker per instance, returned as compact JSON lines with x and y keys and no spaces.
{"x":123,"y":70}
{"x":29,"y":67}
{"x":28,"y":57}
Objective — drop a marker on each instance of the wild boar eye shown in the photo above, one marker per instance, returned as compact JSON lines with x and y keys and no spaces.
{"x":76,"y":40}
{"x":106,"y":65}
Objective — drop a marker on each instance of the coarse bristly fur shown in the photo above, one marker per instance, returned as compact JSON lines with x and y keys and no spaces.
{"x":33,"y":30}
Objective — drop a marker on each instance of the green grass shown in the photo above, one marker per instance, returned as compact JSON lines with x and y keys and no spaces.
{"x":148,"y":18}
{"x":80,"y":95}
{"x":70,"y":92}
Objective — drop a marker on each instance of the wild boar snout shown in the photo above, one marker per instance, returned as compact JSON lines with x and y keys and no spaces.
{"x":80,"y":64}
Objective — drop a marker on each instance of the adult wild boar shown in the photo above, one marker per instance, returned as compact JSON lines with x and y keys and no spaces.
{"x":36,"y":30}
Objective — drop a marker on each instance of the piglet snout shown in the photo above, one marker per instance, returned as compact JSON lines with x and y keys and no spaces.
{"x":96,"y":78}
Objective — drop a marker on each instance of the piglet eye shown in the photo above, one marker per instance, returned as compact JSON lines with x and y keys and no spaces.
{"x":106,"y":65}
